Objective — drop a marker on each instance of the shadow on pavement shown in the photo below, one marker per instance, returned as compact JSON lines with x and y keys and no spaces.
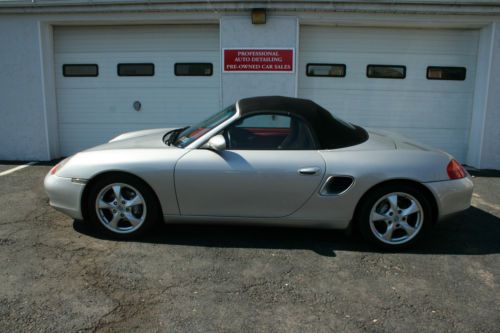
{"x":473,"y":232}
{"x":485,"y":173}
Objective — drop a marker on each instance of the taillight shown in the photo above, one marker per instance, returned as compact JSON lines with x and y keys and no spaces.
{"x":455,"y":170}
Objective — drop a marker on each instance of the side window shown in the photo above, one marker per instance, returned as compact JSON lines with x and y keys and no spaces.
{"x":270,"y":132}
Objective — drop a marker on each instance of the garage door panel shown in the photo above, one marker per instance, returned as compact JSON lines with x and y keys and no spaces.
{"x":81,"y":136}
{"x":381,"y":85}
{"x":357,"y":63}
{"x":164,"y":70}
{"x":124,"y":39}
{"x":92,"y":110}
{"x":435,"y":112}
{"x":158,"y":105}
{"x":142,"y":82}
{"x":371,"y":109}
{"x":388,"y":40}
{"x":415,"y":74}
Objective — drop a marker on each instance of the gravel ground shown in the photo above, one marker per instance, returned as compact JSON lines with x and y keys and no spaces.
{"x":57,"y":275}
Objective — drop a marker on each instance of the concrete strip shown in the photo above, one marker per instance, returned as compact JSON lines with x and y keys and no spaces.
{"x":8,"y":172}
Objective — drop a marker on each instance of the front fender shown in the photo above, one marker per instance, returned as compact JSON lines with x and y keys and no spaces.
{"x":154,"y":166}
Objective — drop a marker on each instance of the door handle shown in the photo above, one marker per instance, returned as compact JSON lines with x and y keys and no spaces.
{"x":309,"y":171}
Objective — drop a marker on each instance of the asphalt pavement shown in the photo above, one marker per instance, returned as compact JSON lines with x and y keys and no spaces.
{"x":57,"y":275}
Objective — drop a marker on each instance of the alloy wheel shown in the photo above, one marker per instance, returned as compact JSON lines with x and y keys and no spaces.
{"x":396,"y":218}
{"x":121,"y":208}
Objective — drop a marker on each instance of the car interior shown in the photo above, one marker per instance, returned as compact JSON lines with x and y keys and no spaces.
{"x":270,"y":132}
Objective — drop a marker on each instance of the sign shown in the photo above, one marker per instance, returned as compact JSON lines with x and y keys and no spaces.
{"x":259,"y":60}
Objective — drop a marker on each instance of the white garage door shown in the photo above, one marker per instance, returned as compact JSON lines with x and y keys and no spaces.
{"x":432,"y":111}
{"x":93,"y":109}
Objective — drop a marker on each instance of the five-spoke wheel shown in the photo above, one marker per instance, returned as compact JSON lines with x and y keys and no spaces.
{"x":121,"y":208}
{"x":394,"y":215}
{"x":396,"y":218}
{"x":122,"y":205}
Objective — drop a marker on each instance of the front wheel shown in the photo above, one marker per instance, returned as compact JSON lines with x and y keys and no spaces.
{"x":395,"y":216}
{"x":122,"y":206}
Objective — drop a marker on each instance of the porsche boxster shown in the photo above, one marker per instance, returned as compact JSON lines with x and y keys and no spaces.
{"x":264,"y":160}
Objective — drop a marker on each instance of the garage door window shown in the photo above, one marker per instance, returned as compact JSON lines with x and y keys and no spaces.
{"x":193,"y":69}
{"x":386,"y":71}
{"x":136,"y":69}
{"x":80,"y":70}
{"x":326,"y":70}
{"x":446,"y":73}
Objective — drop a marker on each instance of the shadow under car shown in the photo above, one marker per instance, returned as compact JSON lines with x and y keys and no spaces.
{"x":472,"y":232}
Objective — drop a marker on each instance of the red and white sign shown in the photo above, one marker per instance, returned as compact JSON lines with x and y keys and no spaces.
{"x":259,"y":60}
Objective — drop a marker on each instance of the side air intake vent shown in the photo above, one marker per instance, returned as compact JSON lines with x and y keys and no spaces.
{"x":336,"y":185}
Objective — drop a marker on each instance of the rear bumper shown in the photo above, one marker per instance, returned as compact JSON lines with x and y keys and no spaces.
{"x":452,"y":196}
{"x":64,"y":195}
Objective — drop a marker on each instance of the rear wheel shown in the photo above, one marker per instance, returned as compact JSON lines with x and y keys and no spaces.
{"x":122,"y":206}
{"x":395,"y":216}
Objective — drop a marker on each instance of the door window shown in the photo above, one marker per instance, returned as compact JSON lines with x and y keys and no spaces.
{"x":270,"y":132}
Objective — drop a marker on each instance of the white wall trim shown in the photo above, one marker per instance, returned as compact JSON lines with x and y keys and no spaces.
{"x":221,"y":91}
{"x":43,"y":88}
{"x":297,"y":51}
{"x":305,"y":18}
{"x":481,"y":92}
{"x":483,"y":115}
{"x":48,"y":88}
{"x":389,"y":6}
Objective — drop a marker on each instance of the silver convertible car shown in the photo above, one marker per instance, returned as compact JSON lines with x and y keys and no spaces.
{"x":264,"y":160}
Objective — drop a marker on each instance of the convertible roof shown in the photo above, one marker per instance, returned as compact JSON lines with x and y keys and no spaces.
{"x":304,"y":107}
{"x":331,"y":132}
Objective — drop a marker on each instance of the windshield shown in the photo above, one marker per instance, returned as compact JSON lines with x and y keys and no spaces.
{"x":192,"y":133}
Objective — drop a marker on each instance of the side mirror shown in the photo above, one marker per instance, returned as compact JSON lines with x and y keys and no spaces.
{"x":216,"y":143}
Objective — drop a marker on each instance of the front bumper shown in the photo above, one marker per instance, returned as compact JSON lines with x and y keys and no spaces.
{"x":64,"y":195}
{"x":452,"y":196}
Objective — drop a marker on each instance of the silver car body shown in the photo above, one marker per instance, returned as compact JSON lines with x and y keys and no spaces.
{"x":257,"y":186}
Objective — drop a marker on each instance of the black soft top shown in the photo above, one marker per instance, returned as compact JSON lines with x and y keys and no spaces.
{"x":331,"y":132}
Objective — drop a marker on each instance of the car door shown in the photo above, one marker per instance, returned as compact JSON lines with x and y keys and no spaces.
{"x":270,"y":169}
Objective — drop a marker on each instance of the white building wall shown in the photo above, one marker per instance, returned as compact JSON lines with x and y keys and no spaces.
{"x":23,"y":134}
{"x":28,"y":120}
{"x":239,"y":32}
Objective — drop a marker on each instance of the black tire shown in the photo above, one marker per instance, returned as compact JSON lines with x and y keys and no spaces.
{"x":371,"y":201}
{"x":150,"y":206}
